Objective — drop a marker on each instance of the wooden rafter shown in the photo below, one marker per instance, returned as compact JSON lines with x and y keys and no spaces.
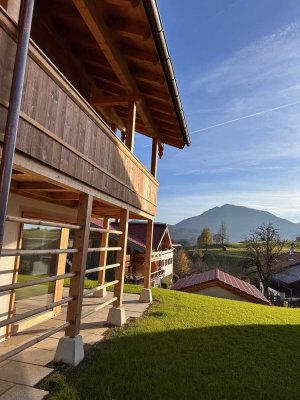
{"x":103,"y":36}
{"x":133,"y":29}
{"x":37,"y":187}
{"x":105,"y":101}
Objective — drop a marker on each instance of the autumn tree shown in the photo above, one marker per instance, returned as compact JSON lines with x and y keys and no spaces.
{"x":263,"y":247}
{"x":217,"y":238}
{"x":181,"y":263}
{"x":205,"y":238}
{"x":223,"y":233}
{"x":197,"y":262}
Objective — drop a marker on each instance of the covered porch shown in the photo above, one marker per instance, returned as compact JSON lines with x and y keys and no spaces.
{"x":21,"y":372}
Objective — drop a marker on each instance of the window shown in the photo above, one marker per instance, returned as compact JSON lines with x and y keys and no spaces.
{"x":37,"y":266}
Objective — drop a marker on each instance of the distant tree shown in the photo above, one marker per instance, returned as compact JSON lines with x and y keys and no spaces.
{"x":193,"y":241}
{"x":198,"y":253}
{"x":223,"y":233}
{"x":182,"y":263}
{"x":197,"y":263}
{"x":263,"y":246}
{"x":205,"y":238}
{"x":217,"y":238}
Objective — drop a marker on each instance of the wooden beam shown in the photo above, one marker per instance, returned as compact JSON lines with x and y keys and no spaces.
{"x":106,"y":101}
{"x":43,"y":171}
{"x":102,"y":34}
{"x":60,"y":270}
{"x":12,"y":7}
{"x":148,"y":253}
{"x":65,"y":196}
{"x":38,"y":187}
{"x":121,"y":258}
{"x":81,"y":242}
{"x":153,"y":169}
{"x":130,"y":125}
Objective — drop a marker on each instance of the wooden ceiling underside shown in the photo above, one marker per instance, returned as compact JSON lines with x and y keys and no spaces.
{"x":29,"y":185}
{"x":113,"y":42}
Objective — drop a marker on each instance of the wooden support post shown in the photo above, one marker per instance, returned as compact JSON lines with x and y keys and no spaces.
{"x":148,"y":254}
{"x":121,"y":258}
{"x":61,"y":267}
{"x":102,"y":258}
{"x":130,"y":125}
{"x":146,"y":296}
{"x":81,"y":242}
{"x":154,"y":157}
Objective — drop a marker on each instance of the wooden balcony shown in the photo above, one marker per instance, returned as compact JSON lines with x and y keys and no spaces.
{"x":61,"y":130}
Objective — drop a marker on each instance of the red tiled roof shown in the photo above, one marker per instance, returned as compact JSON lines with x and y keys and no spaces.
{"x":216,"y":275}
{"x":137,"y":232}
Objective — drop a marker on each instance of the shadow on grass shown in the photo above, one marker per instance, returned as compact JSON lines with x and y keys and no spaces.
{"x":223,"y":362}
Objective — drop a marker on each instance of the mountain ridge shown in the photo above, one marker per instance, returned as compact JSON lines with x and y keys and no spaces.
{"x":239,"y":220}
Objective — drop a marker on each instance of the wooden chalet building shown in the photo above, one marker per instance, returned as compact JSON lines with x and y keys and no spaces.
{"x":161,"y":258}
{"x":78,"y":79}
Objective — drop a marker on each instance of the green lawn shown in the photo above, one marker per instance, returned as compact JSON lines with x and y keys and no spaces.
{"x":90,"y":284}
{"x":192,"y":347}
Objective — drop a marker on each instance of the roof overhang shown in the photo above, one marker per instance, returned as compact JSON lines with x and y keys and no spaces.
{"x":122,"y":48}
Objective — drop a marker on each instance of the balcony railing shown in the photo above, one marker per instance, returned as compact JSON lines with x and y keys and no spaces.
{"x":161,"y":255}
{"x":59,"y":128}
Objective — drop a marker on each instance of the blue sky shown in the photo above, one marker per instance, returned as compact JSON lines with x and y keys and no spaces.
{"x":233,"y":58}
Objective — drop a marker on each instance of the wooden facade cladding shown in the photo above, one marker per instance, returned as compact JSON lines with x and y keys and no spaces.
{"x":59,"y":128}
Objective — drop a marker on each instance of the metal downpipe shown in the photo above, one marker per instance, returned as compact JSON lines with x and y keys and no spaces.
{"x":13,"y":114}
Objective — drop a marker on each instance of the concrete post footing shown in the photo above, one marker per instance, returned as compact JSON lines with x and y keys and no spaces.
{"x":145,"y":296}
{"x":70,"y":350}
{"x":116,"y":316}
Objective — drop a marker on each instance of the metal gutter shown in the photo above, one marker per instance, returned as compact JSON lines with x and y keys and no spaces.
{"x":153,"y":15}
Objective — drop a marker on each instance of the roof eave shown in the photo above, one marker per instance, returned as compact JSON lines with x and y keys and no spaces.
{"x":156,"y":27}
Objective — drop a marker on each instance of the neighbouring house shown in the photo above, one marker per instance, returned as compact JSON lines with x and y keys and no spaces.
{"x":79,"y":81}
{"x":162,"y":251}
{"x":217,"y":283}
{"x":286,"y":276}
{"x":284,"y":284}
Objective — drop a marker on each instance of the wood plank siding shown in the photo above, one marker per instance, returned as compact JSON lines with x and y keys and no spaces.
{"x":60,"y":129}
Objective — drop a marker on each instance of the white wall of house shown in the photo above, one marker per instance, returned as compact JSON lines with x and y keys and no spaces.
{"x":16,"y":206}
{"x":166,"y":262}
{"x":168,"y":269}
{"x":218,"y":291}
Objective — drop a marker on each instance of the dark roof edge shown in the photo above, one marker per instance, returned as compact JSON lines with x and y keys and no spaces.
{"x":153,"y":15}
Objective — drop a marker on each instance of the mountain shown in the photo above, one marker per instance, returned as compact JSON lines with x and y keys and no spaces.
{"x":240,"y":221}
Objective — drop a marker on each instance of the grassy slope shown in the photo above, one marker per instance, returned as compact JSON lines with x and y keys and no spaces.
{"x":193,"y":347}
{"x":90,"y":284}
{"x":232,"y":259}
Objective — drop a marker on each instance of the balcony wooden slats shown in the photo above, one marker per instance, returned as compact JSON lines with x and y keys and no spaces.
{"x":60,"y":129}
